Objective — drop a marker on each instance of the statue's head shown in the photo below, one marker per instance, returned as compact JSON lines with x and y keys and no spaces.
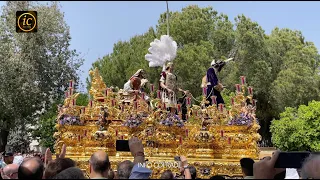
{"x":135,"y":83}
{"x":169,"y":66}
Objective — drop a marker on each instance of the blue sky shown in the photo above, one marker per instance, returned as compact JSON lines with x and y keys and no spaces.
{"x":96,"y":25}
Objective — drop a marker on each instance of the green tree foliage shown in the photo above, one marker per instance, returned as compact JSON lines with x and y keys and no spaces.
{"x":282,"y":67}
{"x":35,"y":67}
{"x":298,"y":128}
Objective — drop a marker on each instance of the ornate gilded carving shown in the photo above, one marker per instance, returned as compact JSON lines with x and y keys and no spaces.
{"x":213,"y":139}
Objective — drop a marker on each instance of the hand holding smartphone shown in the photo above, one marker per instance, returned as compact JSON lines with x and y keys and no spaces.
{"x":291,"y":159}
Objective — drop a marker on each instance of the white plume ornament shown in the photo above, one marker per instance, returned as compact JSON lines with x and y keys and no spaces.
{"x":161,"y":51}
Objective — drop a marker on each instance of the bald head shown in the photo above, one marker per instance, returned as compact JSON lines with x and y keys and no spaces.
{"x":99,"y":162}
{"x":311,"y":167}
{"x":11,"y":171}
{"x":124,"y":169}
{"x":31,"y":169}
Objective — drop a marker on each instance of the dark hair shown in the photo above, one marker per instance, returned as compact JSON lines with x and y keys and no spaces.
{"x":247,"y":166}
{"x":56,"y":166}
{"x":281,"y":175}
{"x":70,"y":173}
{"x":193,"y":172}
{"x":167,"y":175}
{"x":217,"y":177}
{"x":111,"y":174}
{"x":99,"y":165}
{"x":124,"y":169}
{"x":27,"y":173}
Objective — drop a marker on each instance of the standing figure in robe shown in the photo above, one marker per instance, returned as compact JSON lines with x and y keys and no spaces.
{"x":168,"y":84}
{"x":214,"y":87}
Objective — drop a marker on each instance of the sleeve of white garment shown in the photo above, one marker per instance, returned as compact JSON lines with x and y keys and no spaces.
{"x":292,"y":174}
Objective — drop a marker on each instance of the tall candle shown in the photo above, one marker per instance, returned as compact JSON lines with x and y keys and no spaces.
{"x":70,"y":84}
{"x":204,"y":91}
{"x":214,"y":99}
{"x":221,"y":107}
{"x":142,"y":95}
{"x":238,"y":87}
{"x":85,"y":133}
{"x":73,"y":102}
{"x":232,"y":101}
{"x":179,"y":107}
{"x":135,"y":105}
{"x":159,"y":94}
{"x":243,"y":80}
{"x":221,"y":133}
{"x":189,"y":101}
{"x":187,"y":132}
{"x":180,"y":140}
{"x":151,"y":87}
{"x":254,"y":102}
{"x":106,"y":92}
{"x":121,"y":137}
{"x":112,"y":102}
{"x":91,"y":103}
{"x":79,"y":138}
{"x":67,"y":94}
{"x":70,"y":91}
{"x":229,"y":140}
{"x":250,"y":90}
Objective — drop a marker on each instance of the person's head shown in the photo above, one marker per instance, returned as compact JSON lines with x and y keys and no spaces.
{"x":99,"y":164}
{"x":56,"y":166}
{"x":70,"y":173}
{"x":110,"y":174}
{"x":217,"y":177}
{"x":124,"y":169}
{"x":247,"y":166}
{"x":8,"y":158}
{"x":11,"y":171}
{"x":31,"y":169}
{"x":167,"y":175}
{"x":311,"y":168}
{"x":135,"y":83}
{"x":169,"y":67}
{"x":193,"y":172}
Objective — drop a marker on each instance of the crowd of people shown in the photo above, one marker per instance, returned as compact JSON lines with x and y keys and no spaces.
{"x":17,"y":166}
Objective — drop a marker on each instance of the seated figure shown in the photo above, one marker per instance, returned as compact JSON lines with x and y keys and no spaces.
{"x":135,"y":84}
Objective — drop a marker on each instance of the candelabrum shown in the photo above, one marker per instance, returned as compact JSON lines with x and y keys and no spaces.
{"x":213,"y":137}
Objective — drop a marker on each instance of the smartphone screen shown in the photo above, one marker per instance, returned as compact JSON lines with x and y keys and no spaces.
{"x":122,"y":145}
{"x":291,"y":159}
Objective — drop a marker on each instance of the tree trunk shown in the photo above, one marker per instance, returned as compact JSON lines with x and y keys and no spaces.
{"x":3,"y":139}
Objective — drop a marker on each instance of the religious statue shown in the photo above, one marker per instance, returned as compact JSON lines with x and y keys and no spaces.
{"x":211,"y":81}
{"x":103,"y":118}
{"x":170,"y":89}
{"x":135,"y":84}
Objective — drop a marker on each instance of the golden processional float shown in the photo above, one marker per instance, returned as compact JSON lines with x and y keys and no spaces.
{"x":213,"y":138}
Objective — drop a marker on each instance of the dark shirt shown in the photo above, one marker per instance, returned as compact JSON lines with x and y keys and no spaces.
{"x":212,"y":77}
